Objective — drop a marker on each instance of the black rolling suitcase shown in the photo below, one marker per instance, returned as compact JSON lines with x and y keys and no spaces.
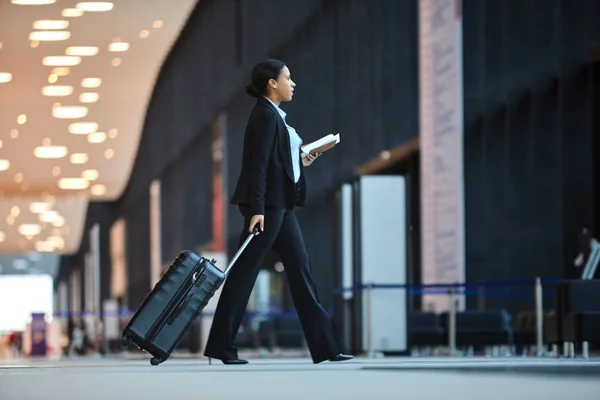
{"x":182,"y":292}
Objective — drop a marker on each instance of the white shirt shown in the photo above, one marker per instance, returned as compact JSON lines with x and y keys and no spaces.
{"x":295,"y":143}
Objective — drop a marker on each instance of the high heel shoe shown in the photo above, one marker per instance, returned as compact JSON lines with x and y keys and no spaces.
{"x":341,"y":357}
{"x":229,"y":362}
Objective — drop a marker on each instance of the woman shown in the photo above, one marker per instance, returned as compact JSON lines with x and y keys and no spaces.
{"x":270,"y":185}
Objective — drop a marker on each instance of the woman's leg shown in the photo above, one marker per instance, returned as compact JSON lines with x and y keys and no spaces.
{"x":322,"y":336}
{"x":238,"y":287}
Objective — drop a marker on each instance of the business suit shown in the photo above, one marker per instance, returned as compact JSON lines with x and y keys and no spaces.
{"x":267,"y":186}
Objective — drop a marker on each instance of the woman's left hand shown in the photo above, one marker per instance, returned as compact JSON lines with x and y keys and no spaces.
{"x":307,"y":159}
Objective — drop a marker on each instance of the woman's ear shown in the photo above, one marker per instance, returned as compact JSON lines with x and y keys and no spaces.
{"x":273,"y":83}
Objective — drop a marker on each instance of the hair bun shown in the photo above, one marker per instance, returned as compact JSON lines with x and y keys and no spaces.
{"x":252,"y":90}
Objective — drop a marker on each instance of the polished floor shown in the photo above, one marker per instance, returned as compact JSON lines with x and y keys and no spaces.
{"x":297,"y":378}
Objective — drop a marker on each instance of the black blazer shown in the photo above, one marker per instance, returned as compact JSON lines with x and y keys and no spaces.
{"x":267,"y":178}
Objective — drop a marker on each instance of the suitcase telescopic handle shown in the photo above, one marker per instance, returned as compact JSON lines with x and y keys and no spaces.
{"x":255,"y":232}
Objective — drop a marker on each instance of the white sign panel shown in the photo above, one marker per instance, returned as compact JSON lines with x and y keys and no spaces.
{"x":382,"y":227}
{"x":441,"y":138}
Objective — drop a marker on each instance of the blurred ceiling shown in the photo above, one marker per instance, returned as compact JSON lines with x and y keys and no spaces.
{"x":75,"y":81}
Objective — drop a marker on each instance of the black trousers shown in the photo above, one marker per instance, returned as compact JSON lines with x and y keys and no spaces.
{"x":282,"y":234}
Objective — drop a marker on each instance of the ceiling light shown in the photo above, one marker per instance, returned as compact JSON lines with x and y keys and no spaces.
{"x":14,"y":133}
{"x":61,"y":71}
{"x":69,"y":112}
{"x":91,"y":82}
{"x":2,"y":236}
{"x":81,"y":51}
{"x":47,"y":24}
{"x":44,"y":247}
{"x":15,"y":211}
{"x":144,"y":34}
{"x":61,"y":61}
{"x":10,"y":220}
{"x":5,"y":77}
{"x":157,"y":24}
{"x":95,"y":6}
{"x":90,"y":174}
{"x":1,"y":143}
{"x":72,"y":12}
{"x":49,"y":36}
{"x":60,"y":221}
{"x":30,"y":229}
{"x":4,"y":165}
{"x":109,"y":153}
{"x":83,"y":128}
{"x":56,"y":91}
{"x":79,"y":158}
{"x":56,"y":171}
{"x":119,"y":46}
{"x":89,"y":97}
{"x":116,"y":62}
{"x":39,"y":207}
{"x":47,"y":141}
{"x":113,"y":133}
{"x":33,"y":2}
{"x":19,"y":177}
{"x":73,"y":183}
{"x":34,"y":44}
{"x":21,"y":119}
{"x":48,"y":216}
{"x":97,"y":137}
{"x":52,"y":78}
{"x":98,"y":190}
{"x":50,"y":151}
{"x":56,"y":241}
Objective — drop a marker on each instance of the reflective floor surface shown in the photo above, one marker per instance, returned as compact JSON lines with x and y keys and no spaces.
{"x":297,"y":378}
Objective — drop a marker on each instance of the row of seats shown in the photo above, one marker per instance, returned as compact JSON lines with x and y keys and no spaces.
{"x":279,"y":332}
{"x":473,"y":328}
{"x":575,"y":319}
{"x":576,"y":316}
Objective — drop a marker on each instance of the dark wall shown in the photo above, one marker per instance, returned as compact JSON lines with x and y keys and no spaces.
{"x":595,"y":147}
{"x":356,"y":73}
{"x":527,"y":134}
{"x":200,"y":75}
{"x":207,"y":65}
{"x":102,"y":214}
{"x":526,"y":87}
{"x":186,"y":198}
{"x":355,"y":64}
{"x":202,"y":72}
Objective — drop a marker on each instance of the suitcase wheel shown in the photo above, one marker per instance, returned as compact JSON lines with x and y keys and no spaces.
{"x":125,"y":341}
{"x":155,"y":361}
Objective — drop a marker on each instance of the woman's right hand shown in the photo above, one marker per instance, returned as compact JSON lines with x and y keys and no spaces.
{"x":257,"y":219}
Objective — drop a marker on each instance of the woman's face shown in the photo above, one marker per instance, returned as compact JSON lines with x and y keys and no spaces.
{"x":284,"y":86}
